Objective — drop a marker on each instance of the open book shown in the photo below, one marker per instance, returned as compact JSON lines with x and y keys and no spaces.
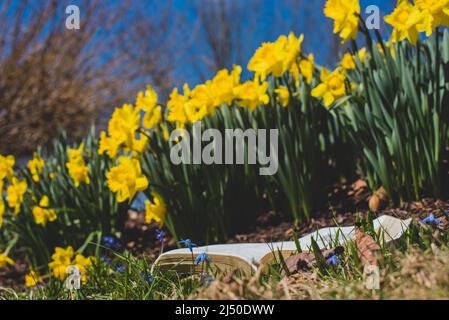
{"x":248,"y":256}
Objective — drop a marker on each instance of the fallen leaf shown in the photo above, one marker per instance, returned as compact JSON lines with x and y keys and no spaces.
{"x":378,"y":200}
{"x":367,"y":248}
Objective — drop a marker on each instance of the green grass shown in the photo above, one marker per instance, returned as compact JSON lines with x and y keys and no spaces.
{"x":415,"y":266}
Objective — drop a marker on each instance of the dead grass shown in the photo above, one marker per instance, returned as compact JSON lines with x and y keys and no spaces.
{"x":417,"y":275}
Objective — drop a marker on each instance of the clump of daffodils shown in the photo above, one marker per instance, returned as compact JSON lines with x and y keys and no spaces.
{"x":62,"y":259}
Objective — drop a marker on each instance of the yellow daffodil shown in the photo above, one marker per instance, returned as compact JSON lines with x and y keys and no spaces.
{"x":277,"y":57}
{"x":15,"y":192}
{"x":42,"y":213}
{"x":126,"y":179}
{"x":306,"y":67}
{"x":332,"y":86}
{"x":124,"y":123}
{"x":6,"y":167}
{"x":176,"y":105}
{"x":32,"y":279}
{"x":137,"y":145}
{"x":404,"y":20}
{"x":76,"y":166}
{"x":83,"y":264}
{"x":109,"y":145}
{"x":223,"y":84}
{"x":5,"y":261}
{"x":2,"y":204}
{"x":155,"y":210}
{"x":345,"y":14}
{"x":61,"y":260}
{"x":35,"y":166}
{"x":348,"y":61}
{"x":147,"y":100}
{"x":153,"y":118}
{"x":252,"y":94}
{"x":433,"y":14}
{"x":284,"y":95}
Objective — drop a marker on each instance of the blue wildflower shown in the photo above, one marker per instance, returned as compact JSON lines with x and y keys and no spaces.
{"x":160,"y":235}
{"x":333,"y":260}
{"x":106,"y":260}
{"x":147,"y":277}
{"x":188,"y":244}
{"x":431,"y":219}
{"x":111,"y":242}
{"x":202,"y":257}
{"x":120,"y":268}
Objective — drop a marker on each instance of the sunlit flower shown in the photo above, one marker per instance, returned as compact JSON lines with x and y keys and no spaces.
{"x":35,"y":166}
{"x":252,"y":94}
{"x":404,"y":20}
{"x":15,"y":192}
{"x":306,"y":68}
{"x":284,"y":95}
{"x":332,"y":86}
{"x":83,"y":264}
{"x":42,"y":213}
{"x":61,"y":260}
{"x":109,"y":145}
{"x":76,"y":166}
{"x":111,"y":242}
{"x":147,"y":100}
{"x":155,"y":210}
{"x":223,"y":84}
{"x":160,"y":235}
{"x":202,"y":257}
{"x":433,"y":14}
{"x":333,"y":260}
{"x":348,"y":61}
{"x":188,"y":244}
{"x":176,"y":105}
{"x":32,"y":279}
{"x":345,"y":14}
{"x":277,"y":57}
{"x":6,"y":167}
{"x":5,"y":261}
{"x":126,"y":179}
{"x":431,"y":219}
{"x":2,"y":204}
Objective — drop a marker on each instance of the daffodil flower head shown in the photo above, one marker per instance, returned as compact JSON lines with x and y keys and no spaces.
{"x":345,"y":14}
{"x":126,"y":179}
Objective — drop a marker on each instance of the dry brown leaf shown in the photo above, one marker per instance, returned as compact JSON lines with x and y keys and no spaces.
{"x":378,"y":200}
{"x":367,"y":248}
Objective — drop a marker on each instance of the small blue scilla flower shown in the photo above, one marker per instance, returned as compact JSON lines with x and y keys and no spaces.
{"x":111,"y":242}
{"x":147,"y":277}
{"x":120,"y":268}
{"x":333,"y":260}
{"x":188,"y":244}
{"x":431,"y":219}
{"x":106,"y":260}
{"x":202,"y":257}
{"x":160,"y":235}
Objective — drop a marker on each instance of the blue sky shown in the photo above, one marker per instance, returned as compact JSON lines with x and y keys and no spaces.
{"x":274,"y":17}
